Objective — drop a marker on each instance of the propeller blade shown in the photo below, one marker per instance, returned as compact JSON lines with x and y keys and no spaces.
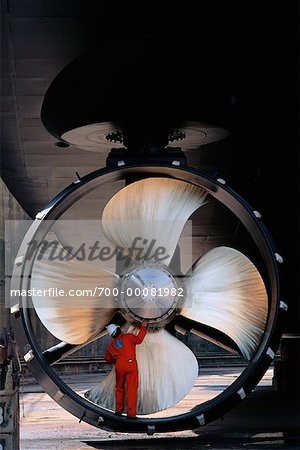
{"x":150,"y":214}
{"x":226,"y":292}
{"x":72,"y":306}
{"x":167,"y":372}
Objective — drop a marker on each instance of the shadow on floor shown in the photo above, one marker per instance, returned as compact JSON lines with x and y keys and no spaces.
{"x":268,"y":441}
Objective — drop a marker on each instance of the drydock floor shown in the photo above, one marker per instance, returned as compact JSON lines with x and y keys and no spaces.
{"x":264,"y":420}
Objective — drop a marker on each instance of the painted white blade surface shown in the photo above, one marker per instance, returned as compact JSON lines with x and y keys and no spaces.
{"x":226,"y":292}
{"x":151,"y":209}
{"x":81,"y":313}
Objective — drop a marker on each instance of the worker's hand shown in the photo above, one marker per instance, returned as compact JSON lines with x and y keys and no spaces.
{"x":144,"y":323}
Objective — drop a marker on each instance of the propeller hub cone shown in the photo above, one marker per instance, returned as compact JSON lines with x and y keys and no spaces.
{"x":150,"y":292}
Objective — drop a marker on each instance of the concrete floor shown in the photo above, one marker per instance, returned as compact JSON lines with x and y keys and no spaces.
{"x":261,"y":421}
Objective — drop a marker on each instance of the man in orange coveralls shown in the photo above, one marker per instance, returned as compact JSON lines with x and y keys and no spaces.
{"x":121,"y":352}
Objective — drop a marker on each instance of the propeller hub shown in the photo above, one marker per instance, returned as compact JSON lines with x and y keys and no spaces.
{"x":150,"y":292}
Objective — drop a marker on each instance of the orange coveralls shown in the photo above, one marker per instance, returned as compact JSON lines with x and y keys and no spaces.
{"x":121,"y":352}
